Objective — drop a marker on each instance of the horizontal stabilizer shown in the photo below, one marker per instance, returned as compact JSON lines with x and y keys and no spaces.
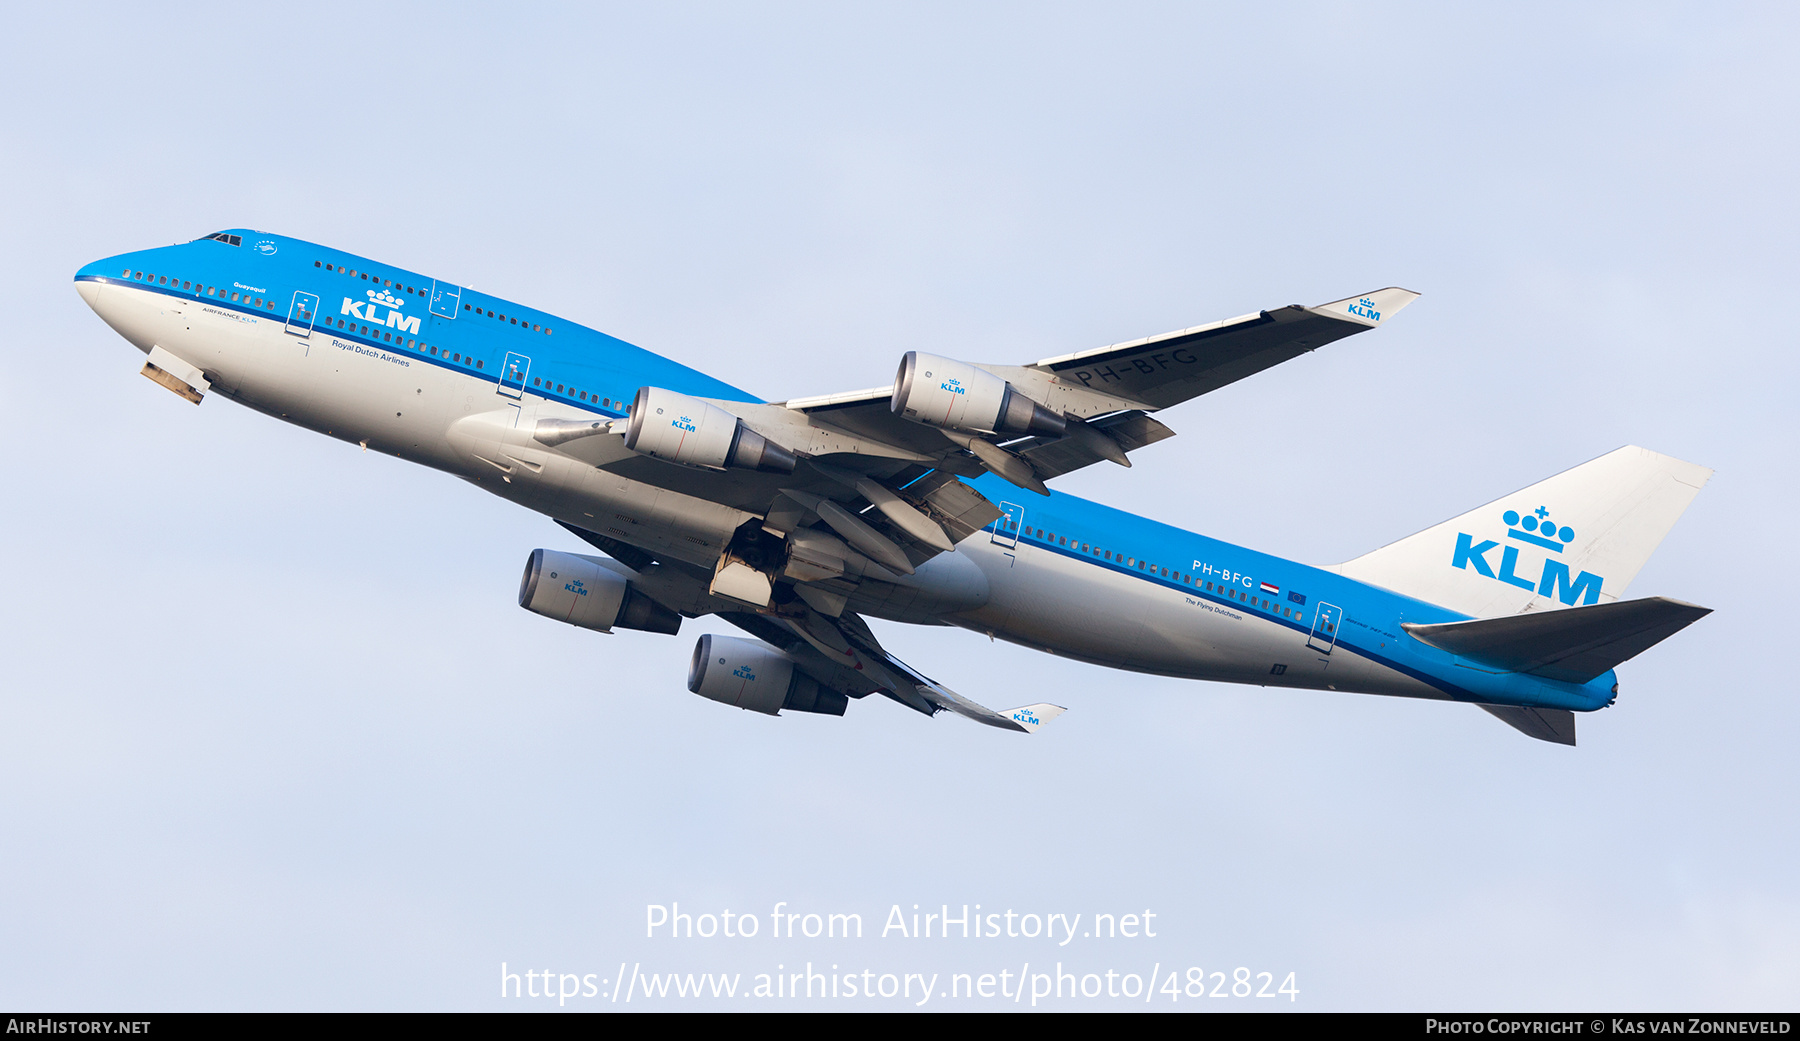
{"x":1573,"y":645}
{"x":1555,"y":725}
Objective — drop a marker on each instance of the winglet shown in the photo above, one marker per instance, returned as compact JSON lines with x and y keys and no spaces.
{"x":1031,"y":717}
{"x":1026,"y":719}
{"x":1370,"y":308}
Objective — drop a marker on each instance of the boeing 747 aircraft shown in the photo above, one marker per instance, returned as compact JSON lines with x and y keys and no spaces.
{"x":925,"y":501}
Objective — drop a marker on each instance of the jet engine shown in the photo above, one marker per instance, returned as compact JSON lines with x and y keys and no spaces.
{"x":581,"y":591}
{"x":667,"y":425}
{"x":958,"y":396}
{"x":755,"y":676}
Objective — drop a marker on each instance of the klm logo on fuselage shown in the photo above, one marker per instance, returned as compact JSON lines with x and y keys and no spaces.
{"x":1365,"y":308}
{"x":379,"y":299}
{"x":1533,"y":529}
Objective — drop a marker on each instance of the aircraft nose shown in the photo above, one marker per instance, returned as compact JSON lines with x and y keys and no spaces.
{"x":98,"y":283}
{"x":92,"y":278}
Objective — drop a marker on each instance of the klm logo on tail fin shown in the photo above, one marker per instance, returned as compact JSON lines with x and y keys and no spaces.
{"x":1534,"y":528}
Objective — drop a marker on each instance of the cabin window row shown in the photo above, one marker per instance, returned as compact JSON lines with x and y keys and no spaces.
{"x":199,"y":289}
{"x":378,"y":333}
{"x":581,"y":395}
{"x":269,"y":305}
{"x":514,"y":320}
{"x":403,"y":287}
{"x":1229,"y":592}
{"x":366,"y":277}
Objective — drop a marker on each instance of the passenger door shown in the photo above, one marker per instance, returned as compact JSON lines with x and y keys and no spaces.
{"x":301,"y":315}
{"x":512,"y":375}
{"x":1326,"y":620}
{"x":445,"y":299}
{"x":1006,"y":526}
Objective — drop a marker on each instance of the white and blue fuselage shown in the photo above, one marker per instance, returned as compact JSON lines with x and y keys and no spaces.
{"x":444,"y":376}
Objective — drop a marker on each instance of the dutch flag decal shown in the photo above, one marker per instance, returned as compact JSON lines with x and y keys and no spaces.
{"x":1272,"y":590}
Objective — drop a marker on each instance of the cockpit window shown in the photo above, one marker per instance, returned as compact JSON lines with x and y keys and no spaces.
{"x":230,"y":240}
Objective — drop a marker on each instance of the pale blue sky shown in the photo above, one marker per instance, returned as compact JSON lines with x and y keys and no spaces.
{"x":276,"y":734}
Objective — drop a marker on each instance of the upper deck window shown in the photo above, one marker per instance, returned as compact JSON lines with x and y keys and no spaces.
{"x":219,"y":236}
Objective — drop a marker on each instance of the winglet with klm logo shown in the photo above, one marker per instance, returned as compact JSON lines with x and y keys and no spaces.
{"x":1369,"y":308}
{"x":1025,"y":719}
{"x":1030,"y":717}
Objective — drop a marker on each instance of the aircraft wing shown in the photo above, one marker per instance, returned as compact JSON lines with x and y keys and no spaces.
{"x":1112,"y":390}
{"x":840,"y":652}
{"x":1159,"y":371}
{"x":844,"y":653}
{"x":868,"y":493}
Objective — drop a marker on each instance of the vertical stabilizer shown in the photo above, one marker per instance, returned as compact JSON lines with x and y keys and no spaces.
{"x":1578,"y":538}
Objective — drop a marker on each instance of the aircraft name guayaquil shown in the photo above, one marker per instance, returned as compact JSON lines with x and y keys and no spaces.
{"x":925,"y":501}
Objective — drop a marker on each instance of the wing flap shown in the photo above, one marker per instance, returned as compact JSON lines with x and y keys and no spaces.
{"x":1055,"y":456}
{"x":960,"y":509}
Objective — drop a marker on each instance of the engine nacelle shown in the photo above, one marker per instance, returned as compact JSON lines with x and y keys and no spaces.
{"x":955,"y":395}
{"x":667,"y":425}
{"x":580,"y":591}
{"x":753,"y":675}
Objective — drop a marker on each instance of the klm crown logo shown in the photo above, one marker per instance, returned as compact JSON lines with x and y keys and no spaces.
{"x":1534,"y":528}
{"x":575,"y":587}
{"x":1365,"y":308}
{"x":953,"y":386}
{"x":684,"y":423}
{"x":385,"y":298}
{"x":1538,"y":520}
{"x":744,"y":672}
